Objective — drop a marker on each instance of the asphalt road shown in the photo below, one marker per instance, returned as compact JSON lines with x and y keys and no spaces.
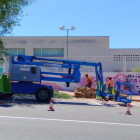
{"x":26,"y":119}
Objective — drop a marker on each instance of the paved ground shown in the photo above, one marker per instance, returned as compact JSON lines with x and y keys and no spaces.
{"x":26,"y":119}
{"x":77,"y":118}
{"x":135,"y":99}
{"x":67,"y":122}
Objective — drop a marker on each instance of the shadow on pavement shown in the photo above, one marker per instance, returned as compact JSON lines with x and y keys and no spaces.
{"x":77,"y":103}
{"x":85,"y":104}
{"x":108,"y":105}
{"x":30,"y":101}
{"x":125,"y":105}
{"x":5,"y":105}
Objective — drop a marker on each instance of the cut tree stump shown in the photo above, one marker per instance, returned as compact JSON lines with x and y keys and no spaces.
{"x":84,"y":92}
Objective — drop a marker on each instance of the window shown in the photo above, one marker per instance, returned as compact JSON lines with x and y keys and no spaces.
{"x":134,"y":57}
{"x":1,"y":70}
{"x":126,"y":57}
{"x":13,"y":51}
{"x":118,"y":57}
{"x":52,"y":52}
{"x":131,"y":57}
{"x":115,"y":57}
{"x":37,"y":52}
{"x":49,"y":52}
{"x":60,"y":52}
{"x":16,"y":51}
{"x":45,"y":52}
{"x":21,"y":51}
{"x":33,"y":70}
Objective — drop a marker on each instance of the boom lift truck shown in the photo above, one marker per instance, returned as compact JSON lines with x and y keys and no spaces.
{"x":26,"y":75}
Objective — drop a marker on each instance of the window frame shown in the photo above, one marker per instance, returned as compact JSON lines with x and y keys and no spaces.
{"x":17,"y":51}
{"x":49,"y":55}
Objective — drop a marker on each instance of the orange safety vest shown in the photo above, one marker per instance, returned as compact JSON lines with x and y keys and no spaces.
{"x":89,"y":80}
{"x":111,"y":83}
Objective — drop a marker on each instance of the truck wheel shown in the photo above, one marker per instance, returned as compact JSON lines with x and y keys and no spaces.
{"x":43,"y":94}
{"x":2,"y":96}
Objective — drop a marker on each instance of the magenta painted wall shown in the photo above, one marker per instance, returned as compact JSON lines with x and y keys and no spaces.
{"x":133,"y":78}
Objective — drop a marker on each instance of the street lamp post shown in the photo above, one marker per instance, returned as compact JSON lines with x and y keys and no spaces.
{"x":62,"y":28}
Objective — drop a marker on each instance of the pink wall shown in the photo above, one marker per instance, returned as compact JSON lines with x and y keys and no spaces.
{"x":133,"y":78}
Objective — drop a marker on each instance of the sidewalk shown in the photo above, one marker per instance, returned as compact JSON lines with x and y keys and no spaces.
{"x":135,"y":99}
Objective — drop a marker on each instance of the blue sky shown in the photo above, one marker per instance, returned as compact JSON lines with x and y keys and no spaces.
{"x":118,"y":19}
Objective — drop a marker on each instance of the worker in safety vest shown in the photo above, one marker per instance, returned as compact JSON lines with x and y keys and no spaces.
{"x":104,"y":86}
{"x":98,"y":96}
{"x":89,"y":81}
{"x":110,"y":85}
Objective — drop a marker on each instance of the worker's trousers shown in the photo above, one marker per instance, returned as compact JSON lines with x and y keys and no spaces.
{"x":110,"y":90}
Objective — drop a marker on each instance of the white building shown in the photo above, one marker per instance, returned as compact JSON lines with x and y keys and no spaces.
{"x":82,"y":48}
{"x":115,"y":62}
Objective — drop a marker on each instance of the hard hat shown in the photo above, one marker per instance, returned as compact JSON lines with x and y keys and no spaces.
{"x":109,"y":77}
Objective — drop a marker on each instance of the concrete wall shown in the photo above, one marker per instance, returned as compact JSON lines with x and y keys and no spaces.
{"x":81,"y":46}
{"x":122,"y":64}
{"x":124,"y":52}
{"x":89,"y":46}
{"x":132,"y":78}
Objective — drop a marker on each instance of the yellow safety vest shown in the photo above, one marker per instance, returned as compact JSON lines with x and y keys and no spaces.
{"x":99,"y":85}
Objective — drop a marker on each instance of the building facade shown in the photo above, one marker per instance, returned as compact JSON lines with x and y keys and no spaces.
{"x":81,"y":48}
{"x":117,"y":63}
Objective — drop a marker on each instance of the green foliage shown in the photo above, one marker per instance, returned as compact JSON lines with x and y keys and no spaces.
{"x":136,"y":69}
{"x":61,"y":95}
{"x":55,"y":95}
{"x":82,"y":87}
{"x":10,"y":10}
{"x":3,"y":51}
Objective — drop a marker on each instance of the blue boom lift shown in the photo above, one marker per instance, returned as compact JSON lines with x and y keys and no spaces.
{"x":125,"y":88}
{"x":25,"y":72}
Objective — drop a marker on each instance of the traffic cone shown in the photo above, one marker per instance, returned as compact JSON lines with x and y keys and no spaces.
{"x":128,"y":109}
{"x":51,"y":105}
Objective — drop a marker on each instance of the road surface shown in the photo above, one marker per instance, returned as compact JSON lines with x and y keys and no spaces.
{"x":26,"y":119}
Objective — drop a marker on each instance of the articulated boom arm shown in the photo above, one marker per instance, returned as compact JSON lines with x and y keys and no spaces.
{"x":23,"y":60}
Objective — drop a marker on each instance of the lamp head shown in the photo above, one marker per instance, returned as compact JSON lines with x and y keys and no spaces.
{"x":61,"y":27}
{"x":72,"y":27}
